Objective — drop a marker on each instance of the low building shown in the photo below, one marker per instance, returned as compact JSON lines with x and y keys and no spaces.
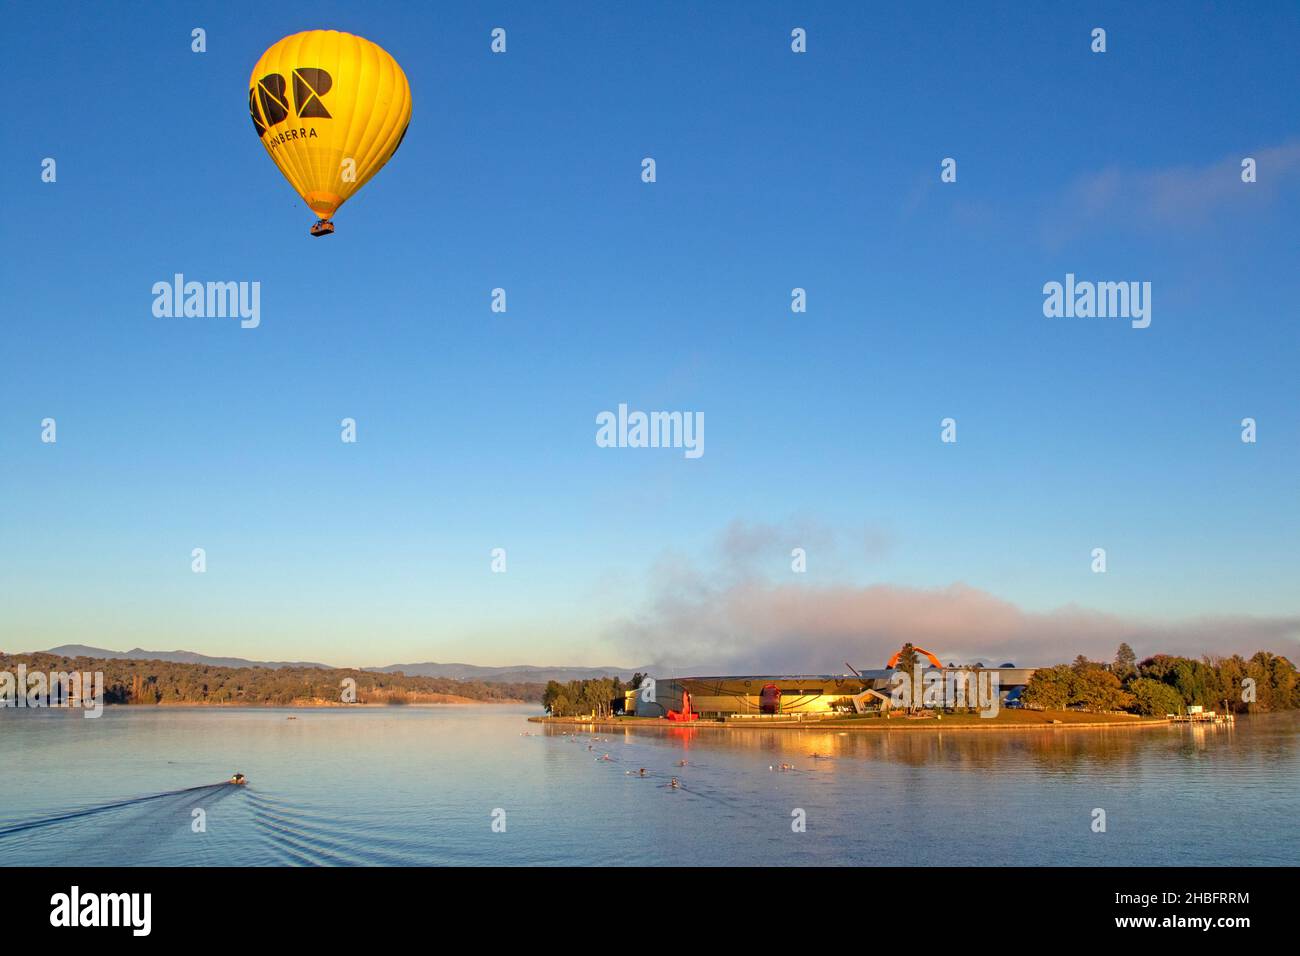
{"x":790,"y":694}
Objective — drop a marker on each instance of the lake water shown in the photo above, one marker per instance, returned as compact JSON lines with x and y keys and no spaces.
{"x":408,"y":785}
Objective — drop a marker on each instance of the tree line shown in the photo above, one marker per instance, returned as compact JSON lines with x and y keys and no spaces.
{"x":1167,"y":684}
{"x":163,"y":682}
{"x":596,"y":697}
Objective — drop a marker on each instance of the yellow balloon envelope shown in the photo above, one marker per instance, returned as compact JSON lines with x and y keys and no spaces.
{"x":331,"y":109}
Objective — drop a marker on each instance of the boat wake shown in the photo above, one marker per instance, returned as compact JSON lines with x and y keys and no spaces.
{"x":295,"y":835}
{"x":155,"y":801}
{"x":123,"y":832}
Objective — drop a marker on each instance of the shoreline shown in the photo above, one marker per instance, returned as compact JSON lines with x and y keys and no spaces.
{"x":330,"y":704}
{"x":873,"y":725}
{"x":304,"y":704}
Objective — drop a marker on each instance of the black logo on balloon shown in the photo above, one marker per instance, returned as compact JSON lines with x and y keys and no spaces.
{"x":309,"y":85}
{"x":272,"y":94}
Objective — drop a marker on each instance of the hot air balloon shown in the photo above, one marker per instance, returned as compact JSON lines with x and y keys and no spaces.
{"x":331,"y":109}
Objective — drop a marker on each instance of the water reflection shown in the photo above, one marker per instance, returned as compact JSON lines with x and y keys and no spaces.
{"x":420,"y":785}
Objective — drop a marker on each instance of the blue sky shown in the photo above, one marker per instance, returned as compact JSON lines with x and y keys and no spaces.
{"x":775,"y":170}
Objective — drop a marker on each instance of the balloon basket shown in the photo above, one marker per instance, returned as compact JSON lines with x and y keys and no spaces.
{"x":322,"y":227}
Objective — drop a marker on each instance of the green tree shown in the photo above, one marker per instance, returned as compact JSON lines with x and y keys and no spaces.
{"x":1158,"y":667}
{"x":1153,"y":698}
{"x":907,"y":662}
{"x":1098,"y":690}
{"x":1051,"y":688}
{"x":1125,"y":662}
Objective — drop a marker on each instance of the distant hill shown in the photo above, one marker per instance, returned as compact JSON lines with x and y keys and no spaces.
{"x":172,"y":657}
{"x":514,"y":673}
{"x":151,"y":680}
{"x":509,"y":674}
